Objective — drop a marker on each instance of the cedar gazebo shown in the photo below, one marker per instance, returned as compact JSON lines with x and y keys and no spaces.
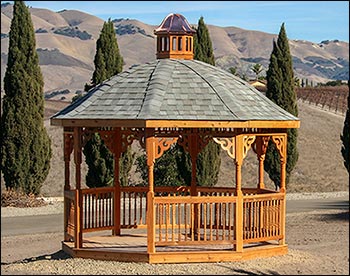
{"x":175,"y":99}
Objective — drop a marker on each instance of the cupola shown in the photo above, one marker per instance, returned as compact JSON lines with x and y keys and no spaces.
{"x":174,"y":38}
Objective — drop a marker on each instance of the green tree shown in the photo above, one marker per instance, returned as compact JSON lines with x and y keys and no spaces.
{"x":208,"y":161}
{"x":25,"y":144}
{"x":203,"y":49}
{"x":345,"y":137}
{"x":257,"y":69}
{"x":280,"y":89}
{"x":108,"y":62}
{"x":166,"y":172}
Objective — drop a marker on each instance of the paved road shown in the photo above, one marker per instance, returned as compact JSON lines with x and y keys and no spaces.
{"x":12,"y":226}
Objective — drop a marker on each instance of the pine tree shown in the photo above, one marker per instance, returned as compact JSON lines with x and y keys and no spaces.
{"x":208,"y":161}
{"x":108,"y":62}
{"x":280,"y":89}
{"x":257,"y":69}
{"x":345,"y":137}
{"x":203,"y":49}
{"x":25,"y":144}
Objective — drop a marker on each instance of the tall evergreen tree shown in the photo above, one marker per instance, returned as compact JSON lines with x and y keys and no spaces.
{"x":280,"y":89}
{"x":208,"y":161}
{"x":108,"y":62}
{"x":345,"y":137}
{"x":203,"y":48}
{"x":25,"y":144}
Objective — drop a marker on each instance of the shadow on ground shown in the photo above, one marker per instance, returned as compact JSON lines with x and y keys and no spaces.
{"x":59,"y":255}
{"x":249,"y":272}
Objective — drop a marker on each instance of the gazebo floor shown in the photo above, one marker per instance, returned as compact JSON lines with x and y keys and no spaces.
{"x":132,"y":247}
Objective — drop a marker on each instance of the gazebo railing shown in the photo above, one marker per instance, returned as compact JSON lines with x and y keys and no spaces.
{"x":180,"y":219}
{"x":194,"y":220}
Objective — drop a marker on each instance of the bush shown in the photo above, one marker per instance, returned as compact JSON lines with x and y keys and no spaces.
{"x":11,"y":198}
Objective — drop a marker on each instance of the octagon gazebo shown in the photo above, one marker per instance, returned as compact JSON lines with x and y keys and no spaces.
{"x":175,"y":99}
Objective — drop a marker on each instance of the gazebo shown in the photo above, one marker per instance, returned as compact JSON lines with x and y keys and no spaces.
{"x":175,"y":99}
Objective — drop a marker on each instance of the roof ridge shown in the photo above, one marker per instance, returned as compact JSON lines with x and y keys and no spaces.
{"x":153,"y":100}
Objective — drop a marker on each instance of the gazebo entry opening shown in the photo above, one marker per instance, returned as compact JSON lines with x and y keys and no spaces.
{"x":159,"y":104}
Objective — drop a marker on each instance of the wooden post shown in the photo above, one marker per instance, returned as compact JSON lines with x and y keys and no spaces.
{"x":150,"y":152}
{"x":67,"y":149}
{"x":239,"y":203}
{"x":194,"y":153}
{"x":283,"y":154}
{"x":261,"y":147}
{"x":117,"y":149}
{"x":78,"y":196}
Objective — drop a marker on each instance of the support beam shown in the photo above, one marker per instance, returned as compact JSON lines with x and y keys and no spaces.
{"x":67,"y":150}
{"x":78,"y":219}
{"x":239,"y":203}
{"x":150,"y":152}
{"x":117,"y":149}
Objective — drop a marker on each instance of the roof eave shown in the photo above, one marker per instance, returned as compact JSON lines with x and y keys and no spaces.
{"x":173,"y":123}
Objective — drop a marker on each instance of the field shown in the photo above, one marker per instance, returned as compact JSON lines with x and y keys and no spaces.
{"x":332,"y":98}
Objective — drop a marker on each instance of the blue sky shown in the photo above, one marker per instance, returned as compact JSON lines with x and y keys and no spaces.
{"x":305,"y":20}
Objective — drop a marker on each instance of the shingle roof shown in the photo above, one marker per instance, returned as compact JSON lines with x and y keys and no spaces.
{"x":169,"y":89}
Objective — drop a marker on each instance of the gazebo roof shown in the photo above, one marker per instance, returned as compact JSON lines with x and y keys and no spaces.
{"x":175,"y":90}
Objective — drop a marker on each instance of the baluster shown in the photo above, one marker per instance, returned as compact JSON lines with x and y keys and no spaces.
{"x":135,"y":208}
{"x":211,"y":220}
{"x":205,"y":221}
{"x":141,"y":215}
{"x":129,"y":203}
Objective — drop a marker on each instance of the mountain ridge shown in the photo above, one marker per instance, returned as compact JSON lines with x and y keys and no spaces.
{"x":67,"y":40}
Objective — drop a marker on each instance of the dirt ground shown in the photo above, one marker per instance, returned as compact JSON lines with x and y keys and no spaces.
{"x":318,"y":244}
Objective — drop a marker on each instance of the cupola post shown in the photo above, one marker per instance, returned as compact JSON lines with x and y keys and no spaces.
{"x":174,"y":38}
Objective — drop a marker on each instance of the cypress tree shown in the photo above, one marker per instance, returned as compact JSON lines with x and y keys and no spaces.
{"x":25,"y":144}
{"x":108,"y":62}
{"x":345,"y":137}
{"x":280,"y":89}
{"x":208,"y":161}
{"x":203,"y":49}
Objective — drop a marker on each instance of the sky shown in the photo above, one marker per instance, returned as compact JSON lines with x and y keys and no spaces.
{"x":304,"y":20}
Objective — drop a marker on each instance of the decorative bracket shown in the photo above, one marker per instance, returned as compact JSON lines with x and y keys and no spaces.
{"x":163,"y":144}
{"x":247,"y":143}
{"x":227,"y":144}
{"x":68,"y":145}
{"x":280,"y":142}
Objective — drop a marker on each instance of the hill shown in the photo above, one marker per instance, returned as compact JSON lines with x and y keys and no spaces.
{"x":66,"y":42}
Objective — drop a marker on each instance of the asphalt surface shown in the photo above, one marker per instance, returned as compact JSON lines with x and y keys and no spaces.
{"x":24,"y":225}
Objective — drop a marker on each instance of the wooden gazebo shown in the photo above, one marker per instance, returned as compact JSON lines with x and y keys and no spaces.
{"x":175,"y":99}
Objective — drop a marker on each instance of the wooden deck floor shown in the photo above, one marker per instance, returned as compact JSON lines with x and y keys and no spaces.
{"x":131,"y":246}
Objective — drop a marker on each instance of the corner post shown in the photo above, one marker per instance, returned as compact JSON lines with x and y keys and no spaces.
{"x":239,"y":203}
{"x":78,"y":219}
{"x":117,"y":149}
{"x":150,"y":152}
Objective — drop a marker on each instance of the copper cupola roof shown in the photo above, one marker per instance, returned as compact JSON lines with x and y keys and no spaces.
{"x":174,"y":23}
